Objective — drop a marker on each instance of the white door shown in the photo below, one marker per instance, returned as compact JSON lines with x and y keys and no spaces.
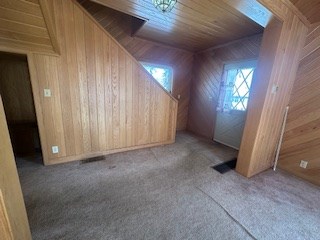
{"x":233,"y":101}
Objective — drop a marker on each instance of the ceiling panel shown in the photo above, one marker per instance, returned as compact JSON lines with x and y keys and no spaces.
{"x":193,"y":24}
{"x":23,"y":26}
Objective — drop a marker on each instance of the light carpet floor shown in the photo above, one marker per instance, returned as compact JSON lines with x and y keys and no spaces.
{"x":167,"y":192}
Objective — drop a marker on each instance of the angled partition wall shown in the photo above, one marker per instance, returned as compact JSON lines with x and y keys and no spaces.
{"x":119,"y":25}
{"x":91,"y":96}
{"x":101,"y":99}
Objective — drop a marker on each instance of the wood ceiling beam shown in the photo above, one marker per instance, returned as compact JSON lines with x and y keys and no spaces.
{"x":252,"y":9}
{"x":273,"y":6}
{"x":261,"y":11}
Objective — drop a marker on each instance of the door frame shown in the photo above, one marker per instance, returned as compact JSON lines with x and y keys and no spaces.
{"x":36,"y":97}
{"x":244,"y":62}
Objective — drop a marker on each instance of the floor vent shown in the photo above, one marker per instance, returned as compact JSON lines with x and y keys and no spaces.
{"x":226,"y":166}
{"x":93,"y":159}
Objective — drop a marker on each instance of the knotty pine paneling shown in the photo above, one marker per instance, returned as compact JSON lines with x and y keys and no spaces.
{"x":15,"y":89}
{"x":208,"y":69}
{"x":102,"y":100}
{"x":13,"y":216}
{"x":277,"y":66}
{"x":302,"y":136}
{"x":118,"y":25}
{"x":23,"y":26}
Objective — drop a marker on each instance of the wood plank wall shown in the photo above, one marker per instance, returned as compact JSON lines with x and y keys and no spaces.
{"x":102,"y":100}
{"x":15,"y":88}
{"x":22,"y":26}
{"x":118,"y":25}
{"x":181,"y":63}
{"x":208,"y":69}
{"x":15,"y":223}
{"x":309,"y":8}
{"x":302,"y":135}
{"x":262,"y":131}
{"x":5,"y":227}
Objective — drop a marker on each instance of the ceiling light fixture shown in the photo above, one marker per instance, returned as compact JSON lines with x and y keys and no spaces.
{"x":164,"y":5}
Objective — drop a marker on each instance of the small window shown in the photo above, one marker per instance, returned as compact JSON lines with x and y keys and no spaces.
{"x":235,"y":87}
{"x":162,"y":74}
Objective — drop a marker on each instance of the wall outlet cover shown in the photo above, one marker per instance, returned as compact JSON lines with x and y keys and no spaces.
{"x":303,"y":164}
{"x":275,"y":88}
{"x":55,"y":149}
{"x":47,"y":92}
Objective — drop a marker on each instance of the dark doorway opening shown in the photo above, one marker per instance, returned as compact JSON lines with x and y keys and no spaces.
{"x":17,"y":97}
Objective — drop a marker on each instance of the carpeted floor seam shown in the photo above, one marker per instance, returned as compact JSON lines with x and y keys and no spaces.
{"x":234,"y":219}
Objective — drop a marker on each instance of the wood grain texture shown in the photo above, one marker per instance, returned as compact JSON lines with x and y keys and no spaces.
{"x":257,"y":12}
{"x":5,"y":228}
{"x":48,"y":17}
{"x":259,"y":90}
{"x":265,"y":109}
{"x":309,"y":8}
{"x":208,"y":69}
{"x":23,"y":26}
{"x":10,"y":190}
{"x":192,"y":25}
{"x":102,"y":100}
{"x":262,"y":11}
{"x":301,"y":138}
{"x":15,"y":88}
{"x":118,"y":25}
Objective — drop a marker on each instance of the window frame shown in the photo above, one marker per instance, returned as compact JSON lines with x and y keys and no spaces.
{"x":156,"y":65}
{"x":242,"y":64}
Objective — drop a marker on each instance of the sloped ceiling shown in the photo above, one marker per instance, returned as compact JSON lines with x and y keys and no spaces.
{"x":24,"y":26}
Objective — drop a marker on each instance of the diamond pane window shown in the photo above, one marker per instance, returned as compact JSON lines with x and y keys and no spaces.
{"x":162,"y":74}
{"x":235,"y":87}
{"x":241,"y":88}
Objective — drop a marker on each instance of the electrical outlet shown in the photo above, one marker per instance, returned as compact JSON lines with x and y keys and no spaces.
{"x":274,"y":89}
{"x":303,"y":164}
{"x":55,"y":149}
{"x":47,"y":92}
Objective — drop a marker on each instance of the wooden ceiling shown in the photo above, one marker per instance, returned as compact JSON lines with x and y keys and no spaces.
{"x":23,"y":26}
{"x":194,"y":25}
{"x":309,"y":8}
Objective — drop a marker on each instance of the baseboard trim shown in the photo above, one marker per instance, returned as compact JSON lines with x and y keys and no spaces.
{"x":228,"y":145}
{"x":101,"y":153}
